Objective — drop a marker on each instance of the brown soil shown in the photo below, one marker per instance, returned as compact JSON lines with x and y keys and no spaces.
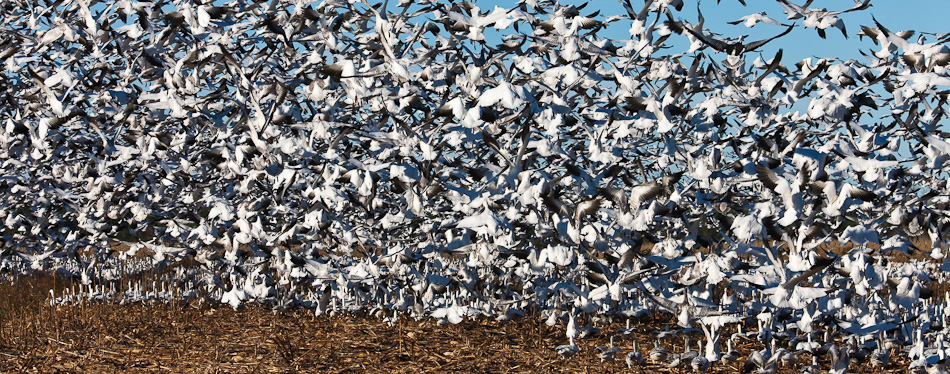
{"x":94,"y":338}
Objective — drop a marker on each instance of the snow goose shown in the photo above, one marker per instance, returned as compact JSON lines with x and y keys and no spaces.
{"x":752,"y":19}
{"x":880,"y":357}
{"x":820,"y":19}
{"x":685,"y":358}
{"x":840,"y":359}
{"x":734,"y":49}
{"x":813,"y":368}
{"x":608,"y":353}
{"x":914,"y":55}
{"x":939,"y":368}
{"x":634,"y":357}
{"x":761,"y":362}
{"x":786,"y":357}
{"x":627,"y":332}
{"x":730,"y":356}
{"x":658,"y":353}
{"x":699,"y":363}
{"x":568,"y":350}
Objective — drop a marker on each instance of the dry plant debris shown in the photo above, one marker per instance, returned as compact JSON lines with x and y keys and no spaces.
{"x":174,"y":337}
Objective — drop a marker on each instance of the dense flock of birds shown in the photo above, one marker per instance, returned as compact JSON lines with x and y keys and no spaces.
{"x":436,"y":159}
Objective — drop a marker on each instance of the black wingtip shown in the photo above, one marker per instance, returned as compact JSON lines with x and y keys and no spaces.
{"x":822,"y":262}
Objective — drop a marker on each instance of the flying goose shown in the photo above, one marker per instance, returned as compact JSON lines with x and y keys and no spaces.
{"x":820,"y":19}
{"x":752,"y":19}
{"x":919,"y":56}
{"x":734,"y":48}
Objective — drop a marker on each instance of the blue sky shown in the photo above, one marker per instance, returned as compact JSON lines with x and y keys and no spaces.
{"x":918,"y":15}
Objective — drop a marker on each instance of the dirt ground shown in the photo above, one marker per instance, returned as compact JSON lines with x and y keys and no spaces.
{"x":191,"y":338}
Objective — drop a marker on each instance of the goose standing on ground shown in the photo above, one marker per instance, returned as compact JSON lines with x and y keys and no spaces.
{"x":627,"y":333}
{"x":699,"y":363}
{"x":786,"y":357}
{"x":730,"y":356}
{"x":813,"y":368}
{"x":760,"y":362}
{"x":608,"y":353}
{"x":634,"y":357}
{"x":658,"y":353}
{"x":568,"y":350}
{"x":939,"y":368}
{"x":685,"y":358}
{"x":880,"y":357}
{"x":840,"y":359}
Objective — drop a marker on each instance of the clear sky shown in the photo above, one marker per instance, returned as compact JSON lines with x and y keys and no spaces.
{"x":918,"y":15}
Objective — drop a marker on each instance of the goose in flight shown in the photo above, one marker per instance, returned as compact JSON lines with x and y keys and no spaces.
{"x":752,"y":19}
{"x":641,"y":193}
{"x":734,"y":48}
{"x":820,"y":18}
{"x":921,"y":57}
